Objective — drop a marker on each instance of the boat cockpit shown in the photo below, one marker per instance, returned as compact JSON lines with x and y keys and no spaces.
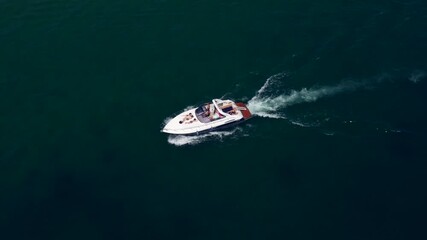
{"x":216,"y":110}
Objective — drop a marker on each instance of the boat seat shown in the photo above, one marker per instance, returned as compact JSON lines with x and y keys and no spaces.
{"x":227,"y":109}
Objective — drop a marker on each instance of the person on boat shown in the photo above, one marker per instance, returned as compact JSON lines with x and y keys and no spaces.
{"x":206,"y":110}
{"x":187,"y":118}
{"x":215,"y":115}
{"x":232,"y":112}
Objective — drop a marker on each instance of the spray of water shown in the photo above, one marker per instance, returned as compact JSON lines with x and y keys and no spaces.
{"x":264,"y":104}
{"x":417,"y":76}
{"x":182,"y":140}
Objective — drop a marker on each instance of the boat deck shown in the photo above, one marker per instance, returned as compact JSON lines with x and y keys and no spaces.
{"x":245,"y":111}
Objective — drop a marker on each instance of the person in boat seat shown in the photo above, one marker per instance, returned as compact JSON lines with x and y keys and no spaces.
{"x":206,"y":110}
{"x":216,"y":115}
{"x":232,"y":112}
{"x":209,"y":110}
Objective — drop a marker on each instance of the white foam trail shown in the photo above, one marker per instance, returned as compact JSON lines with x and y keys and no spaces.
{"x":301,"y":124}
{"x":182,"y":140}
{"x":264,"y":105}
{"x":268,"y":115}
{"x":417,"y":76}
{"x":270,"y":82}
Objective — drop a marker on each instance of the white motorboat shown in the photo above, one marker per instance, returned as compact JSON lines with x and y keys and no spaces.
{"x":217,"y":115}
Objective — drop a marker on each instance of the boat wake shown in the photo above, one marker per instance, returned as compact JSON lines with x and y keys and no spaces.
{"x":417,"y":76}
{"x":266,"y":104}
{"x":182,"y":140}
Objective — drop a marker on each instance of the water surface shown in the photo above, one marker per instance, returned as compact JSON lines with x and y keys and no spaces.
{"x":336,"y":150}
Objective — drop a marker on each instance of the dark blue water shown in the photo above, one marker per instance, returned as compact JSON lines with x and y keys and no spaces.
{"x":337,"y":149}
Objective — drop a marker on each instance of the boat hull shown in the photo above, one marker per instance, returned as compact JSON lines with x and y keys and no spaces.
{"x":217,"y":129}
{"x":173,"y":127}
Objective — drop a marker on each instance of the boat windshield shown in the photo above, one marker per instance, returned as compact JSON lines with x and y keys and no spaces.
{"x":208,"y":113}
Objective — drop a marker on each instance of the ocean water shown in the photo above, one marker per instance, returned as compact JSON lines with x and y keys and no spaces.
{"x":337,"y":148}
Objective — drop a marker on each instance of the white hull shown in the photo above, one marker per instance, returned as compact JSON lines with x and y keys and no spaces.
{"x":195,"y":121}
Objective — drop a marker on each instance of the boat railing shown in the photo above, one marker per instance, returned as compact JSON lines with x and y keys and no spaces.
{"x":218,"y":108}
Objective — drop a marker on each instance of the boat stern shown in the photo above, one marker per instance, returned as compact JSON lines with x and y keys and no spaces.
{"x":244,"y":110}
